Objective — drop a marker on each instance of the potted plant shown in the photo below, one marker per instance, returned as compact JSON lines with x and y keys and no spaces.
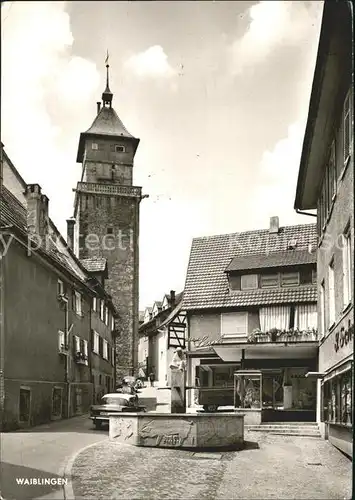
{"x":273,"y":334}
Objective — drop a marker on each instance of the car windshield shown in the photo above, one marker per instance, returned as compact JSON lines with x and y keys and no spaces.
{"x":114,"y":401}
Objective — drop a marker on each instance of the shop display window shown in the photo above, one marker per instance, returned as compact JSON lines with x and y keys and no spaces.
{"x":337,"y":401}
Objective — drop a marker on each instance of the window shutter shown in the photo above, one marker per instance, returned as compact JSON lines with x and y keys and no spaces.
{"x":100,"y":346}
{"x":290,"y":279}
{"x":269,"y":280}
{"x":249,"y":282}
{"x":234,"y":324}
{"x":92,"y":339}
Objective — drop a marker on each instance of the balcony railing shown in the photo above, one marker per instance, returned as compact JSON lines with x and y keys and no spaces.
{"x":109,"y":189}
{"x":275,"y":335}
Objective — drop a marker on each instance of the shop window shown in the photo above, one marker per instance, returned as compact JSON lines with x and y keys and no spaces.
{"x":345,"y":383}
{"x":249,"y":282}
{"x":337,"y":400}
{"x":269,"y":280}
{"x":25,"y":405}
{"x":331,"y":293}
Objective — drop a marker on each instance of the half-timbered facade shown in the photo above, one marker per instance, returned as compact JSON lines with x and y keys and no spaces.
{"x":161,"y":335}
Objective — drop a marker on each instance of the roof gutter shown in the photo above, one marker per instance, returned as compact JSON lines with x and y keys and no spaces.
{"x":305,"y":213}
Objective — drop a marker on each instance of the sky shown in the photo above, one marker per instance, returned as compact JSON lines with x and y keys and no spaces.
{"x":217,"y":92}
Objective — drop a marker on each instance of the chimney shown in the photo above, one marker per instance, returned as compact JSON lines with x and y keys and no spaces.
{"x":70,"y":232}
{"x":172,"y":299}
{"x":37,"y":210}
{"x":274,"y":225}
{"x":98,"y":107}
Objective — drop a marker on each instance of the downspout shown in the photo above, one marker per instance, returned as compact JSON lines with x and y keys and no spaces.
{"x":2,"y":322}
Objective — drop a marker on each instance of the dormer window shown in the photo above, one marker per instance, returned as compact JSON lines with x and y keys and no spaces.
{"x":249,"y":282}
{"x":95,"y":146}
{"x":120,"y":149}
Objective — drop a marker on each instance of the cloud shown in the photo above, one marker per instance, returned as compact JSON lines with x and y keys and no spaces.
{"x":41,"y":80}
{"x":272,"y":25}
{"x":277,"y":179}
{"x":153,"y":63}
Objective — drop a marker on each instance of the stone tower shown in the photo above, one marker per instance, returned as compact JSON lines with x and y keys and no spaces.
{"x":107,"y":219}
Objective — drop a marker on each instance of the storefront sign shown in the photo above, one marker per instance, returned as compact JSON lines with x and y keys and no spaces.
{"x":204,"y":341}
{"x":343,"y":337}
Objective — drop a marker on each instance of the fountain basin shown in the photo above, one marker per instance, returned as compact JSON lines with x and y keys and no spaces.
{"x":178,"y":430}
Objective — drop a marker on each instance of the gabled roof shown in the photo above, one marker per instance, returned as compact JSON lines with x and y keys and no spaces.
{"x":94,"y":264}
{"x":274,"y":259}
{"x":207,"y":283}
{"x":334,"y":63}
{"x":107,"y":124}
{"x":12,"y":212}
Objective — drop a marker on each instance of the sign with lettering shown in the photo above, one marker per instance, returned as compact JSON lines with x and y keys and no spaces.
{"x":205,"y":341}
{"x":343,"y":336}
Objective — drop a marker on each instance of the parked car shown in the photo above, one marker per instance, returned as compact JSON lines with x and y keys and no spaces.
{"x":133,"y":381}
{"x":113,"y":403}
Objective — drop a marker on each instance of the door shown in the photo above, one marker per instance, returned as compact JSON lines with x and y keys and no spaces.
{"x":57,"y":399}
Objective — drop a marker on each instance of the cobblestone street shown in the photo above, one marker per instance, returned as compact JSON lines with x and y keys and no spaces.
{"x":270,"y":467}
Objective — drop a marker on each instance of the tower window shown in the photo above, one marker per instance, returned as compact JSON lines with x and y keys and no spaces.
{"x":94,"y":146}
{"x":110,"y":230}
{"x":120,"y":149}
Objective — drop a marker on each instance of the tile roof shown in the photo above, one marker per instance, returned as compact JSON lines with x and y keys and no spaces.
{"x":94,"y":264}
{"x":274,"y":259}
{"x":12,"y":212}
{"x":207,"y":284}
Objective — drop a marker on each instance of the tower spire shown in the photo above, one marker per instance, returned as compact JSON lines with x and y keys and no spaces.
{"x":107,"y":94}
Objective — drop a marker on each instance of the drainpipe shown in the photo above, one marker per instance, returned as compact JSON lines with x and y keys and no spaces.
{"x":2,"y":323}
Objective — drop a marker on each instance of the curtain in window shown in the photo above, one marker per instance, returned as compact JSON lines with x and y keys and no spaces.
{"x":306,"y":316}
{"x":274,"y":317}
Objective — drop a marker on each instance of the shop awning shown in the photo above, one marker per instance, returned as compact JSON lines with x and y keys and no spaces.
{"x":314,"y":375}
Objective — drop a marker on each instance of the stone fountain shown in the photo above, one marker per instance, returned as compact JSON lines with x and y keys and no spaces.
{"x":178,"y":429}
